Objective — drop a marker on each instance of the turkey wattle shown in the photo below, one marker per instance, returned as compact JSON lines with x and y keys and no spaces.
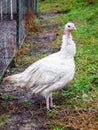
{"x":50,"y":73}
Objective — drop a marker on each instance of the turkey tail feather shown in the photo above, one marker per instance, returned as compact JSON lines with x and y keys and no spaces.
{"x":14,"y":79}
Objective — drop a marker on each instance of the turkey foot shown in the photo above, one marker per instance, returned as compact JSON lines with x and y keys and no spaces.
{"x":51,"y":101}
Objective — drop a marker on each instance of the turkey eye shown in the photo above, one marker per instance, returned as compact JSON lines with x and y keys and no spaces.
{"x":69,"y":26}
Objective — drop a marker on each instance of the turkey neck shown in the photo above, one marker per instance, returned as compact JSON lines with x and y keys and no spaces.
{"x":66,"y":39}
{"x":68,"y":36}
{"x":68,"y":46}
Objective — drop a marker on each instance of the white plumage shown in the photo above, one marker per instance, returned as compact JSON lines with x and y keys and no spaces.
{"x":50,"y":73}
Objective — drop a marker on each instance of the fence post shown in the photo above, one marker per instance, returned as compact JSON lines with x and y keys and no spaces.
{"x":29,"y":4}
{"x":1,"y":11}
{"x":18,"y":23}
{"x":36,"y":7}
{"x":11,"y":9}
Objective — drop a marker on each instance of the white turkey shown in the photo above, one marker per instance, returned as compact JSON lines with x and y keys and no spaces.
{"x":50,"y":73}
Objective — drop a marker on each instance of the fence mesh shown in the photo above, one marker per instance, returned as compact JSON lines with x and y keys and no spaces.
{"x":12,"y":28}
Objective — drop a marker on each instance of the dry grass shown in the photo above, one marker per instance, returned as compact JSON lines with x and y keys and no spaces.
{"x":73,"y":119}
{"x":30,"y":22}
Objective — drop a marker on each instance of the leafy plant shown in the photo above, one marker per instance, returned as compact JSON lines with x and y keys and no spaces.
{"x":37,"y":21}
{"x":49,"y":1}
{"x":52,"y":114}
{"x":58,"y":129}
{"x":5,"y":96}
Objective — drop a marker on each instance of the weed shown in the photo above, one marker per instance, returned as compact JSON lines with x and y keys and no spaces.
{"x":3,"y":120}
{"x":59,"y":129}
{"x":37,"y":21}
{"x":52,"y":114}
{"x":5,"y":96}
{"x":24,"y":104}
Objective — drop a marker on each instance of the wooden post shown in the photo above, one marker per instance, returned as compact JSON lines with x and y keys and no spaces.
{"x":6,"y":7}
{"x":1,"y":11}
{"x":11,"y":9}
{"x":36,"y":6}
{"x":18,"y":24}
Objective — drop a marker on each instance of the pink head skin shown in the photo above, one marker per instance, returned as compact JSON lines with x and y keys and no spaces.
{"x":69,"y":27}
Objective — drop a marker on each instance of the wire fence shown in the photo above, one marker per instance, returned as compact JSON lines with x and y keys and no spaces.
{"x":12,"y":28}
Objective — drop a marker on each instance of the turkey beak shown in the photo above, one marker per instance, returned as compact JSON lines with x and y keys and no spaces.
{"x":74,"y":28}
